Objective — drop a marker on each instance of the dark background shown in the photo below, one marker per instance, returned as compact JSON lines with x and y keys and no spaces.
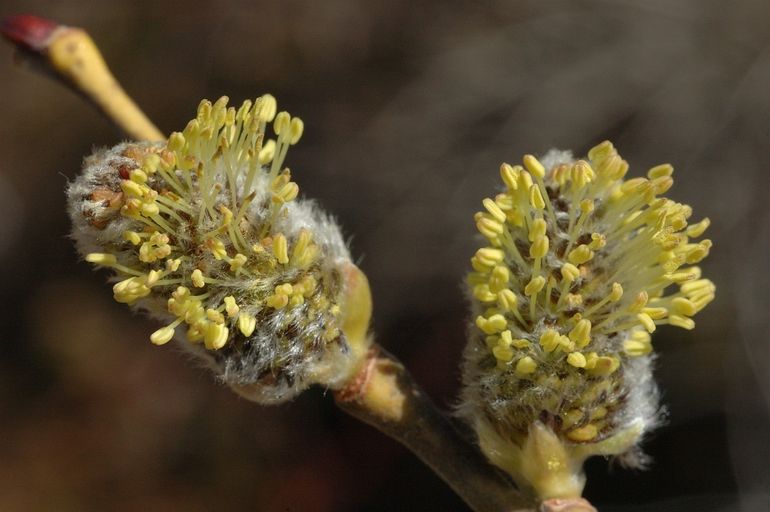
{"x":409,"y":109}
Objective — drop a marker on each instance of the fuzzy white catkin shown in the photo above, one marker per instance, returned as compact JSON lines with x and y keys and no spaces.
{"x":205,"y":232}
{"x":572,"y":280}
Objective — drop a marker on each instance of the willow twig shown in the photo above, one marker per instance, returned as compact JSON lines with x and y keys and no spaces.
{"x":70,"y":55}
{"x":385,"y":396}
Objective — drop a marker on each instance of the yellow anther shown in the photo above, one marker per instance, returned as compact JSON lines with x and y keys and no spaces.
{"x":616,"y":293}
{"x":286,"y":193}
{"x":635,"y":348}
{"x":197,"y":278}
{"x":601,"y":151}
{"x":598,"y":241}
{"x":510,"y":176}
{"x":641,"y":336}
{"x":227,"y":215}
{"x":132,"y":189}
{"x":580,"y":255}
{"x":162,"y":335}
{"x":633,"y":185}
{"x":639,"y":302}
{"x":296,"y":128}
{"x":152,"y":277}
{"x":285,"y":289}
{"x":539,"y":248}
{"x":698,"y":229}
{"x":499,"y":278}
{"x":573,"y":300}
{"x":138,"y":176}
{"x":534,"y":166}
{"x":281,"y":124}
{"x":280,"y":248}
{"x":244,"y":111}
{"x":267,"y":152}
{"x":277,"y":301}
{"x":483,"y":294}
{"x":490,"y":256}
{"x":526,"y":366}
{"x":173,"y":265}
{"x":699,"y":252}
{"x":586,"y":206}
{"x":215,"y":316}
{"x":296,"y":300}
{"x":656,"y":313}
{"x":181,"y":293}
{"x":502,"y":353}
{"x":583,"y":434}
{"x":524,"y":179}
{"x":549,"y":340}
{"x":702,"y":300}
{"x":569,"y":272}
{"x":515,"y":217}
{"x":537,"y":229}
{"x":660,"y":171}
{"x":577,"y":360}
{"x":130,"y":290}
{"x":150,"y":163}
{"x":565,"y":344}
{"x":246,"y":324}
{"x":534,"y":286}
{"x":230,"y":116}
{"x":133,"y":237}
{"x":581,"y":333}
{"x":504,"y":201}
{"x":176,"y":142}
{"x":155,"y":248}
{"x":267,"y":108}
{"x":681,"y":321}
{"x":215,"y":336}
{"x":478,"y":266}
{"x":521,"y":343}
{"x":507,"y":300}
{"x":661,"y":185}
{"x":305,"y":287}
{"x":581,"y":174}
{"x":489,"y":227}
{"x":697,"y":286}
{"x":231,"y":307}
{"x":101,"y":259}
{"x":646,"y":322}
{"x":494,"y":210}
{"x":536,"y":198}
{"x":217,"y":248}
{"x":238,"y":261}
{"x":603,"y":366}
{"x":304,"y":239}
{"x":561,"y":174}
{"x":492,"y":325}
{"x":150,"y":209}
{"x":497,"y":322}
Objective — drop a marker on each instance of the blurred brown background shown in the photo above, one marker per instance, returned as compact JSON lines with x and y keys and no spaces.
{"x":409,"y":109}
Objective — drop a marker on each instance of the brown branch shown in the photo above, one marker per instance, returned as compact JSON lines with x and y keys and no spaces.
{"x":384,"y":395}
